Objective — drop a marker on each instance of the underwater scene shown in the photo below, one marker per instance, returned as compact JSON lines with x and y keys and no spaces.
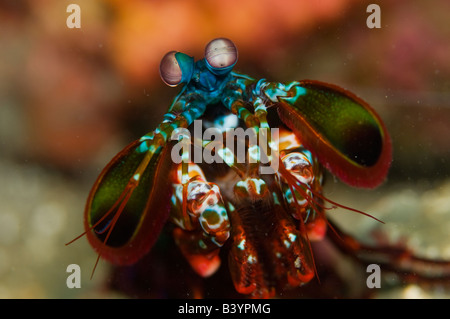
{"x":105,"y":105}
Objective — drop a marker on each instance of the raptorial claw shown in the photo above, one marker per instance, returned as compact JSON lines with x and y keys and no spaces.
{"x":199,"y":212}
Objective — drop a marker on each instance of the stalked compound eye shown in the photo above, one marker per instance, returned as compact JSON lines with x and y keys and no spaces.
{"x":221,"y":55}
{"x":170,"y":70}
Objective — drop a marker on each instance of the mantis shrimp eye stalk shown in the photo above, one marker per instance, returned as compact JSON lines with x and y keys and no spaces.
{"x":220,"y":55}
{"x":176,"y":68}
{"x":170,"y":70}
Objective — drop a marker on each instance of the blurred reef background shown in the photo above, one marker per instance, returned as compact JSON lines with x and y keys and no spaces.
{"x":70,"y":99}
